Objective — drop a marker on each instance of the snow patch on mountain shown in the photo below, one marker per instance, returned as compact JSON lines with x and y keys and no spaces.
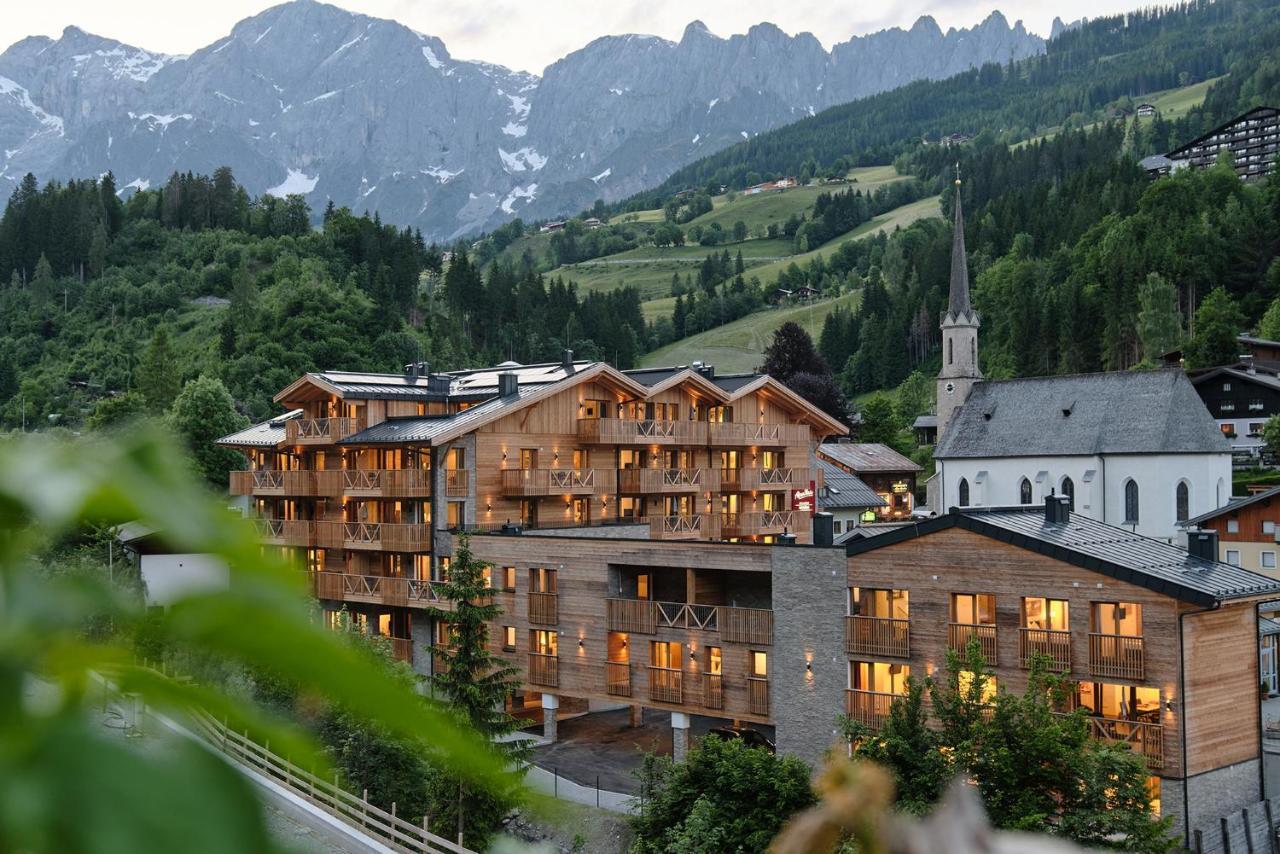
{"x":163,"y":121}
{"x":441,"y":174}
{"x":528,"y":193}
{"x":605,"y":174}
{"x":525,"y":158}
{"x":432,"y":59}
{"x":296,"y":182}
{"x":23,"y":99}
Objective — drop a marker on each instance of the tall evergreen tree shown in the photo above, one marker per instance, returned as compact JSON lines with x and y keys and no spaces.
{"x":157,"y":378}
{"x":1159,"y":324}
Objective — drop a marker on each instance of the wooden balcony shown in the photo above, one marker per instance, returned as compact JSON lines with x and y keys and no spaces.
{"x":958,"y":635}
{"x":1055,"y":645}
{"x":329,"y":483}
{"x":662,"y":481}
{"x":617,"y":678}
{"x":877,"y":636}
{"x":385,"y":536}
{"x":756,"y":523}
{"x":646,"y":617}
{"x":758,"y":696}
{"x":776,"y":479}
{"x":272,"y":482}
{"x":320,"y":431}
{"x":386,"y":483}
{"x":730,"y":433}
{"x":1143,"y":738}
{"x":544,"y":609}
{"x":285,"y":532}
{"x":624,"y":431}
{"x":869,"y":708}
{"x":538,"y":482}
{"x":380,"y":590}
{"x":544,"y":670}
{"x":692,"y":527}
{"x":402,"y":650}
{"x":457,"y":483}
{"x":713,"y":690}
{"x":1117,"y":656}
{"x":666,"y":684}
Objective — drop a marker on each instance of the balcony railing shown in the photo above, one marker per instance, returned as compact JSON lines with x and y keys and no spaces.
{"x":329,"y":483}
{"x":387,"y":536}
{"x":617,"y":681}
{"x":625,"y":431}
{"x":666,"y":684}
{"x":1145,"y":739}
{"x":877,"y":636}
{"x":544,"y":609}
{"x":544,"y":670}
{"x":380,"y":590}
{"x":691,"y":527}
{"x":660,"y":480}
{"x":735,"y":625}
{"x":756,"y":522}
{"x":387,"y":483}
{"x":1054,"y":644}
{"x":869,"y":708}
{"x":272,"y":482}
{"x":285,"y":532}
{"x":958,"y":635}
{"x":729,"y":433}
{"x":775,"y":478}
{"x":1117,"y":656}
{"x":713,"y":690}
{"x":758,"y":695}
{"x":320,"y":431}
{"x":457,"y":483}
{"x":402,"y":650}
{"x":535,"y":482}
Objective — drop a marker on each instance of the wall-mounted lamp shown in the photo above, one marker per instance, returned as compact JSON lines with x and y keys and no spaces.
{"x":808,"y":667}
{"x":567,"y":504}
{"x":580,"y":643}
{"x":1168,"y":705}
{"x":692,"y":657}
{"x":624,"y":643}
{"x":488,"y":507}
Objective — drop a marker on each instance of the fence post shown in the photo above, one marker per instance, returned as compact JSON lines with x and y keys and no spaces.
{"x":1248,"y":830}
{"x":555,"y":782}
{"x":1226,"y":835}
{"x":597,"y":791}
{"x":335,"y":793}
{"x":364,"y":809}
{"x":1271,"y":826}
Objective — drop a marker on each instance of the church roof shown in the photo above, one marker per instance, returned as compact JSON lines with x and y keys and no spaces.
{"x":958,"y":305}
{"x":1124,"y":412}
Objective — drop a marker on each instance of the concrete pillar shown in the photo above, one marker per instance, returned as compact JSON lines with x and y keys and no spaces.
{"x":679,"y":736}
{"x":550,"y":705}
{"x":637,"y":716}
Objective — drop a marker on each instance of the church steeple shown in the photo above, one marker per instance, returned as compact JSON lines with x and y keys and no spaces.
{"x":959,"y":329}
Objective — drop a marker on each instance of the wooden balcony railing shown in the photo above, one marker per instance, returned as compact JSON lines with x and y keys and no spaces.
{"x":1055,"y":645}
{"x":329,"y":483}
{"x":877,"y":636}
{"x":624,"y":431}
{"x":773,"y":479}
{"x":692,"y":527}
{"x":534,"y":482}
{"x":386,"y":483}
{"x":958,"y":635}
{"x":758,"y":695}
{"x":735,"y":625}
{"x":730,"y":433}
{"x":713,"y":690}
{"x":617,"y":678}
{"x":869,"y":708}
{"x":285,"y":532}
{"x":320,"y":431}
{"x":1117,"y":656}
{"x":660,"y":480}
{"x":272,"y":482}
{"x":544,"y":609}
{"x":666,"y":684}
{"x":379,"y":590}
{"x":402,"y":650}
{"x":456,"y":482}
{"x":728,"y":480}
{"x":387,"y":536}
{"x":241,"y":483}
{"x":756,"y":522}
{"x":544,"y":670}
{"x":1146,"y":739}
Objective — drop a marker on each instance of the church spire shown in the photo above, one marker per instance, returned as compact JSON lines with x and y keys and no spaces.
{"x":958,"y":306}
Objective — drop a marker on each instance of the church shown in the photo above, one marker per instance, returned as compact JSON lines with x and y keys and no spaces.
{"x":1135,"y":449}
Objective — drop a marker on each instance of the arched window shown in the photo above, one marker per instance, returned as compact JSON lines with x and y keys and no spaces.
{"x":1069,"y":490}
{"x":1182,"y":501}
{"x":964,"y":492}
{"x":950,"y":351}
{"x":1024,"y":491}
{"x":1131,"y":502}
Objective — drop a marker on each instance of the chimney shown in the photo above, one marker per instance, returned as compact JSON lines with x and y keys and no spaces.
{"x":411,"y":370}
{"x":566,"y":361}
{"x":823,"y":529}
{"x":1248,"y":363}
{"x":1057,"y":509}
{"x":508,"y":384}
{"x":1203,"y":543}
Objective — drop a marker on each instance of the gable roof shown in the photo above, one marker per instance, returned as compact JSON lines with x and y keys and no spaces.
{"x":1256,"y":112}
{"x":1231,"y":507}
{"x":867,"y":457}
{"x":841,"y":490}
{"x":478,"y":383}
{"x":1261,"y":379}
{"x":265,"y":434}
{"x":693,"y":378}
{"x":813,"y":414}
{"x":1097,"y":547}
{"x":1124,"y":412}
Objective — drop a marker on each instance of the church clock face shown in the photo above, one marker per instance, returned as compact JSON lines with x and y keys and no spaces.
{"x":950,"y":387}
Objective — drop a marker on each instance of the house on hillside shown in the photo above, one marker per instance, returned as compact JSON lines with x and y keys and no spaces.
{"x":1252,"y":140}
{"x":552,"y":226}
{"x":1147,"y":111}
{"x":592,"y":223}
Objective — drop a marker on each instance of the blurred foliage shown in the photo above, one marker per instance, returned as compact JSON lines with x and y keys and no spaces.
{"x":65,"y":785}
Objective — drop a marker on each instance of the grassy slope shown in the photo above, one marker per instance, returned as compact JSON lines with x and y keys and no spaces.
{"x":739,"y":346}
{"x":759,"y":211}
{"x":650,"y":269}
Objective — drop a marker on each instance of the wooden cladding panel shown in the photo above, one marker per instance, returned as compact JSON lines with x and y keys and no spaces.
{"x":965,"y":562}
{"x":1221,"y":678}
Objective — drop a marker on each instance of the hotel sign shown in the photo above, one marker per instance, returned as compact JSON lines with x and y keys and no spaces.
{"x":802,"y":498}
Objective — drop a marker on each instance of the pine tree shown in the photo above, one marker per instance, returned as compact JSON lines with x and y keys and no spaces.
{"x":98,"y":251}
{"x":157,"y":376}
{"x":1218,"y":322}
{"x":1159,"y":324}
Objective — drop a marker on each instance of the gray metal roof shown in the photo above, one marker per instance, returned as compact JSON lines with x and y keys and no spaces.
{"x":728,"y":382}
{"x":1267,"y":626}
{"x":1105,"y":549}
{"x":842,"y":490}
{"x":266,"y":434}
{"x":1125,"y":412}
{"x":867,"y":457}
{"x":439,"y":385}
{"x":1230,"y":507}
{"x":923,"y":422}
{"x":425,"y":429}
{"x":1263,"y":379}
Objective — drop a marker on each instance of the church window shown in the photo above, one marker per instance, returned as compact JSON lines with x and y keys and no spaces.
{"x":1024,"y":491}
{"x":950,"y":351}
{"x":1131,"y":502}
{"x":1069,"y":490}
{"x":964,"y":492}
{"x":1182,"y":501}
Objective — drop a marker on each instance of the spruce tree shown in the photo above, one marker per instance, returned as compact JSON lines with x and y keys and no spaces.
{"x":156,"y":377}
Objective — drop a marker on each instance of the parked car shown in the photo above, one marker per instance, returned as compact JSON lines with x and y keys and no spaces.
{"x":748,"y":736}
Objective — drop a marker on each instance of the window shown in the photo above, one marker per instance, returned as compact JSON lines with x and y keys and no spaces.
{"x":581,"y":511}
{"x":456,"y":514}
{"x":1182,"y":501}
{"x":973,"y":609}
{"x":835,"y":527}
{"x":964,"y":492}
{"x":715,"y":661}
{"x":1041,"y":613}
{"x":1117,"y":618}
{"x":1268,"y":527}
{"x":594,"y":409}
{"x":486,"y":575}
{"x":1233,"y":526}
{"x":873,"y":602}
{"x":1226,"y":386}
{"x":1069,"y":490}
{"x":509,"y":638}
{"x":966,"y":680}
{"x":508,"y":578}
{"x":1233,"y":557}
{"x":542,"y":580}
{"x":1024,"y":491}
{"x":665,"y":654}
{"x":544,"y":642}
{"x":1268,"y":560}
{"x":1131,"y":502}
{"x":878,"y":677}
{"x":759,"y":664}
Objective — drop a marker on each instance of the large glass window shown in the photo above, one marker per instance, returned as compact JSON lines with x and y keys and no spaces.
{"x":878,"y":676}
{"x":973,"y":609}
{"x":1117,"y":618}
{"x":1041,"y":613}
{"x":878,"y":602}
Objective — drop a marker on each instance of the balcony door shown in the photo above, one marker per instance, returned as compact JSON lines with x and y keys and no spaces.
{"x":542,"y":580}
{"x":629,"y":458}
{"x":528,"y":459}
{"x":1117,"y":618}
{"x":666,"y":654}
{"x":879,"y":677}
{"x":881,"y":603}
{"x":973,"y":609}
{"x":1119,"y":702}
{"x":1048,"y":614}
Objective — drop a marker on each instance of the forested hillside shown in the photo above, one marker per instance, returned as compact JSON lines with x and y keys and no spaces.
{"x":100,"y":297}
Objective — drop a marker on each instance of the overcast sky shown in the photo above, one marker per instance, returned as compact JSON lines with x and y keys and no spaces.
{"x":529,"y":34}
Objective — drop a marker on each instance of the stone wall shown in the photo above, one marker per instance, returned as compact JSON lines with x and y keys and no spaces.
{"x":1214,"y":794}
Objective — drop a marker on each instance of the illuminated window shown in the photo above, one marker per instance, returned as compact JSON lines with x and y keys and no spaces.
{"x":715,"y":661}
{"x":759,"y":664}
{"x":1117,"y":618}
{"x":508,"y":578}
{"x":665,"y":654}
{"x":878,"y":676}
{"x":973,"y":609}
{"x":966,"y":680}
{"x":544,"y":642}
{"x":1041,"y":613}
{"x":875,"y":602}
{"x":509,"y":637}
{"x":486,"y":573}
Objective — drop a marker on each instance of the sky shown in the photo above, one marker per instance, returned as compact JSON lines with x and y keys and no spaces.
{"x":530,"y":34}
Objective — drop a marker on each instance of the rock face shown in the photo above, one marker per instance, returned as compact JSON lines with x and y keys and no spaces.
{"x":309,"y":98}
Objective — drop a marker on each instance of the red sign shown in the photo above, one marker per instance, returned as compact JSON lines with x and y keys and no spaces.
{"x":802,"y":499}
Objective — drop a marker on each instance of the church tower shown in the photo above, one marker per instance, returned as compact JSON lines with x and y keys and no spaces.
{"x":959,"y":331}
